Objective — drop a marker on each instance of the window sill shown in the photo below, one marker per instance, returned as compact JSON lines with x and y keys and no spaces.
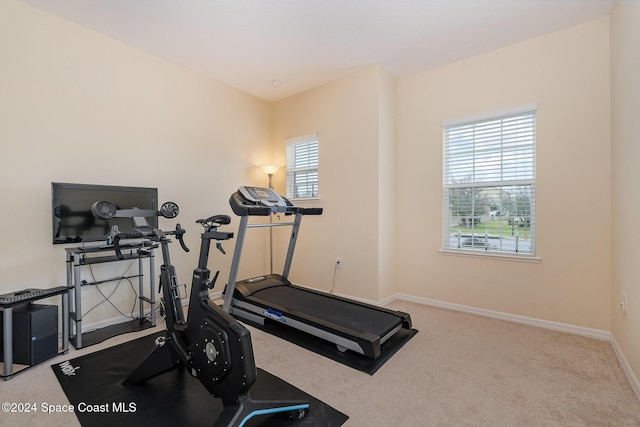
{"x":491,"y":255}
{"x":305,"y":199}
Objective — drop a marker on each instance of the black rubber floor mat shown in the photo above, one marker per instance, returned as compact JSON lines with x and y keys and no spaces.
{"x":93,"y":386}
{"x":330,"y":350}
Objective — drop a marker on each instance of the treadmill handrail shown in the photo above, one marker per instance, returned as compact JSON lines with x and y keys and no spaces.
{"x":311,"y":211}
{"x":241,"y":209}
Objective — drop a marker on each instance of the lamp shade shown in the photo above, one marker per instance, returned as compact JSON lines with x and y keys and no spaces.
{"x":270,"y":169}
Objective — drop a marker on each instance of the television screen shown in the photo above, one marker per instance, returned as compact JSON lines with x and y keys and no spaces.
{"x":71,"y":214}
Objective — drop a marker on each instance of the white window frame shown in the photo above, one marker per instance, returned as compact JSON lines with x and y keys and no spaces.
{"x":306,"y":167}
{"x":484,"y":156}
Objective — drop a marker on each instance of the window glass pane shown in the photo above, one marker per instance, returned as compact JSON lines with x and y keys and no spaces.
{"x":491,"y":218}
{"x":302,"y":168}
{"x":305,"y":184}
{"x":489,"y":184}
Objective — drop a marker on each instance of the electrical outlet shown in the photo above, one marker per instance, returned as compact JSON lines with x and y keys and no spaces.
{"x":622,"y":307}
{"x":338,"y":262}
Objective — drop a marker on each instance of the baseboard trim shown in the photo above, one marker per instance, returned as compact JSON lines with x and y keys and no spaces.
{"x":546,"y":324}
{"x":626,"y":367}
{"x":554,"y":326}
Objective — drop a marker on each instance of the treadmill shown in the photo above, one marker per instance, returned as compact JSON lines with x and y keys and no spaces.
{"x":350,"y":325}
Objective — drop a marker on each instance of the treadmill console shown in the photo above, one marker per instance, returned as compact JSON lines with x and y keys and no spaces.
{"x":265,"y":197}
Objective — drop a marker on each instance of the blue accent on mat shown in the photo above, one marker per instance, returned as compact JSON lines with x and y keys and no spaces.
{"x":273,"y":411}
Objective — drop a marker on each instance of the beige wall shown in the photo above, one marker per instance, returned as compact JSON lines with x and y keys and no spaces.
{"x":387,"y":188}
{"x":346,"y":113}
{"x":76,"y":106}
{"x":567,"y":74}
{"x":625,"y":127}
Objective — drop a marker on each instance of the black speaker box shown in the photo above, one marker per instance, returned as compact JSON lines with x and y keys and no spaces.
{"x":35,"y":333}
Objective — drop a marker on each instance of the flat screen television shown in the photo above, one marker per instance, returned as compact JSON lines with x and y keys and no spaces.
{"x":71,"y":215}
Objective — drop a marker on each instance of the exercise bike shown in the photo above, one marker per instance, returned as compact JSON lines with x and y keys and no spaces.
{"x":212,"y":346}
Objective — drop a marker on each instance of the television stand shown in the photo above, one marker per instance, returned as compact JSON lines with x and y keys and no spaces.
{"x":78,"y":257}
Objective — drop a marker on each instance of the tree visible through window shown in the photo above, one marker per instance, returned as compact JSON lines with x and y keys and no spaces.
{"x":489,"y":183}
{"x":302,"y":167}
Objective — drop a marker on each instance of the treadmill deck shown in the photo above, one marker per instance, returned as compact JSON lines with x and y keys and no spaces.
{"x":300,"y":302}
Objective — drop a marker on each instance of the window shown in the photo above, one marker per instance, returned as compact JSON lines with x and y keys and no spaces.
{"x":302,"y":167}
{"x":489,"y":183}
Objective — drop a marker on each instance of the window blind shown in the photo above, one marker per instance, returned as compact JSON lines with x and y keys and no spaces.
{"x":302,"y":167}
{"x":489,"y":183}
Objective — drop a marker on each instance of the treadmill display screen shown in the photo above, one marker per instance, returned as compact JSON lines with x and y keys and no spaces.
{"x":261,"y":193}
{"x":263,"y":196}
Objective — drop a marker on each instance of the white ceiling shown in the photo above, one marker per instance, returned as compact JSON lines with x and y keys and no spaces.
{"x":304,"y":43}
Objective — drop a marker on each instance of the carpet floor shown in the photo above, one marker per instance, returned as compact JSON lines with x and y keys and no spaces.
{"x":460,"y":370}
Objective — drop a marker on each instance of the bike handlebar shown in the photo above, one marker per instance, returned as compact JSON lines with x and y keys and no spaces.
{"x":156,"y":235}
{"x":179,"y":233}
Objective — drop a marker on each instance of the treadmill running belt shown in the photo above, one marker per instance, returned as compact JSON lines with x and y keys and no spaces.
{"x":340,"y":312}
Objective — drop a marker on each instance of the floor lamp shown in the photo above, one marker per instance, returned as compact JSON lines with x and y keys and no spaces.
{"x":270,"y":170}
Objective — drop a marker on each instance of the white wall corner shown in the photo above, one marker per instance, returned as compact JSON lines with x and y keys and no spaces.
{"x":626,"y":367}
